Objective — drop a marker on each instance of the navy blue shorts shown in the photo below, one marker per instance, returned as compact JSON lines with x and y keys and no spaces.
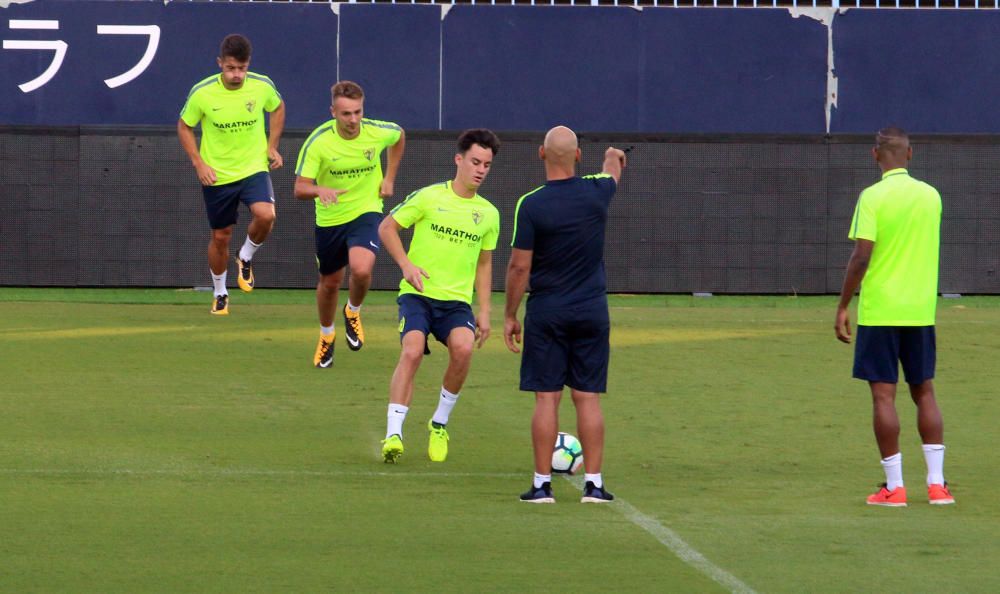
{"x":879,"y":350}
{"x":334,"y":243}
{"x":222,"y":202}
{"x":432,"y":316}
{"x":566,"y":347}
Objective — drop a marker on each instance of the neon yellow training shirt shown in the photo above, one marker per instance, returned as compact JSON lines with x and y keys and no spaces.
{"x":353,"y":165}
{"x":448,"y":233}
{"x":902,"y":216}
{"x":233,"y":140}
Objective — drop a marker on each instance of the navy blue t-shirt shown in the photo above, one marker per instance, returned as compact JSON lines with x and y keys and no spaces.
{"x":563,"y":224}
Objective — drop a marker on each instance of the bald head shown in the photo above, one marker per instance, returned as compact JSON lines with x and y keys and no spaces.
{"x":892,"y":147}
{"x":560,"y":146}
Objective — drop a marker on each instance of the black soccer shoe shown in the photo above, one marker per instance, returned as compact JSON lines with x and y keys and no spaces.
{"x":354,"y":332}
{"x":592,"y":494}
{"x":541,"y":494}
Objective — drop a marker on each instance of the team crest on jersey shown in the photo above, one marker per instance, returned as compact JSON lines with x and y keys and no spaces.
{"x":251,"y":104}
{"x":369,"y":153}
{"x":477,"y":217}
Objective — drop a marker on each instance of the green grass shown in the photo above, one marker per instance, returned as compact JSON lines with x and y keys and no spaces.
{"x":150,"y":447}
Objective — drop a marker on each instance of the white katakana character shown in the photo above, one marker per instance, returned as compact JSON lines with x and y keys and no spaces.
{"x":58,"y":46}
{"x":153,"y":31}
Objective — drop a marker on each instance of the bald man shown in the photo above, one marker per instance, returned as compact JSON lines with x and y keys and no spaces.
{"x":896,"y":230}
{"x":559,"y":243}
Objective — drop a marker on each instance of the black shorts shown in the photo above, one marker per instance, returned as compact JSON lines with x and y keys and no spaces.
{"x":566,"y":347}
{"x":433,"y":316}
{"x":222,"y":202}
{"x":879,"y":350}
{"x":334,"y":243}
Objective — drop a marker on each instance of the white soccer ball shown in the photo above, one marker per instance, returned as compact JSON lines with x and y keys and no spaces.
{"x":567,"y":456}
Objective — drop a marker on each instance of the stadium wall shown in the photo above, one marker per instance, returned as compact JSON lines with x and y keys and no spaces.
{"x":601,"y":68}
{"x":724,"y":214}
{"x":94,"y":190}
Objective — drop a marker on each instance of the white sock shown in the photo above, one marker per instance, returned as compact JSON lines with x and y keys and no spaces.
{"x":934,"y":455}
{"x":445,"y":403}
{"x":893,"y":466}
{"x":594,"y":478}
{"x":352,"y":307}
{"x":326,"y":330}
{"x":541,"y":479}
{"x":395,"y":418}
{"x":248,"y":250}
{"x":219,"y":282}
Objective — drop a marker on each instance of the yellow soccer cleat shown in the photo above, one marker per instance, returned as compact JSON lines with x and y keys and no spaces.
{"x":437,"y":448}
{"x":353,"y":330}
{"x":392,"y":449}
{"x":244,"y":278}
{"x":324,"y":352}
{"x":220,"y":305}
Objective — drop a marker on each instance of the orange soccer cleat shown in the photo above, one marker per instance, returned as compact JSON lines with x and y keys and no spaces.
{"x":887,"y":498}
{"x":939,"y":495}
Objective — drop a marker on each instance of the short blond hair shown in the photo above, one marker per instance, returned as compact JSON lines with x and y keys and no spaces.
{"x":346,"y":88}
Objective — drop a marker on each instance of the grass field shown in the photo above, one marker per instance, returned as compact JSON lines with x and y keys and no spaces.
{"x":146,"y":446}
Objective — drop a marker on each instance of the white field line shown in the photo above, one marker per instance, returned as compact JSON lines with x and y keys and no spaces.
{"x":240,"y":472}
{"x":674,"y":543}
{"x":664,"y":535}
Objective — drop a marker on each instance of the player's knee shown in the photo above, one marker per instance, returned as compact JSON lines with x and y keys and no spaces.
{"x":222,"y":237}
{"x":330,"y":283}
{"x":411,"y":355}
{"x":461,"y":352}
{"x":586,"y":398}
{"x":266,"y":218}
{"x":361,"y":274}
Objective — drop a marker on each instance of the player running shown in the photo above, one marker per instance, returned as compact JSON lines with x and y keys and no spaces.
{"x":232,"y":163}
{"x":455,"y":231}
{"x":340,"y":169}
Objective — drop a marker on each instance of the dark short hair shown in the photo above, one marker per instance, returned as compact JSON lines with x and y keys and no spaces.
{"x":346,"y":88}
{"x":890,"y":133}
{"x":481,"y":136}
{"x":237,"y":47}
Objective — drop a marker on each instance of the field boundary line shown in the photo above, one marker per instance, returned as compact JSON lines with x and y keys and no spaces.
{"x":237,"y":472}
{"x":674,"y":543}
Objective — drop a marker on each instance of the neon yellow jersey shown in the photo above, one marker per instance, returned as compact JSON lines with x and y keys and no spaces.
{"x":448,"y":233}
{"x":902,"y":216}
{"x":233,"y":140}
{"x":354,"y":165}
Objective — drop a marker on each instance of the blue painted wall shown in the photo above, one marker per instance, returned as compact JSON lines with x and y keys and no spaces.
{"x":525,"y":68}
{"x":933,"y":71}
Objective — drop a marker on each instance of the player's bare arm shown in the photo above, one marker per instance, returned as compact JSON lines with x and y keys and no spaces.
{"x":206,"y":175}
{"x":307,"y":189}
{"x":484,"y":288}
{"x":518,"y":272}
{"x":394,"y":156}
{"x":614,"y":162}
{"x":276,"y":123}
{"x":856,"y":268}
{"x":388,"y":232}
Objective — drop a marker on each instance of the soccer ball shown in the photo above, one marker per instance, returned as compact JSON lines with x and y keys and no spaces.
{"x":567,"y":456}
